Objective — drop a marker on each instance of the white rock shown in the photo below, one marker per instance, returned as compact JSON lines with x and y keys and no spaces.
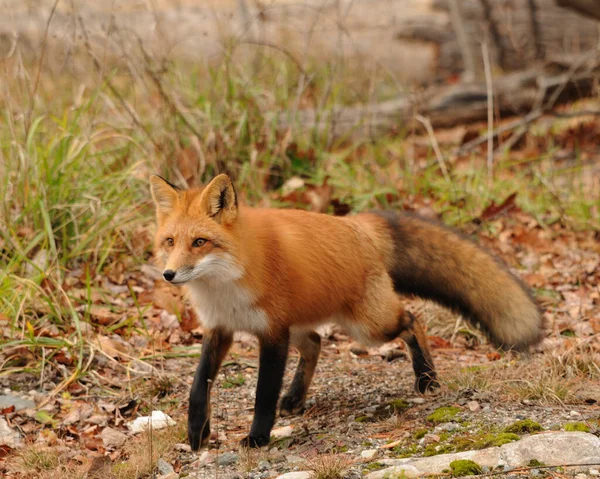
{"x":112,"y":438}
{"x":574,"y":414}
{"x":594,"y":472}
{"x":553,"y":449}
{"x":284,"y":431}
{"x":295,"y":475}
{"x":8,"y":437}
{"x":368,"y":453}
{"x":158,"y":420}
{"x":474,"y":406}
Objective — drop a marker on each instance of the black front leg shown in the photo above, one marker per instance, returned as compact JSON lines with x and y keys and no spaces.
{"x":273,"y":356}
{"x":215,"y":345}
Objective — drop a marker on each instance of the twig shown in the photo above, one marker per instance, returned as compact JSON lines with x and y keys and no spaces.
{"x":490,"y":112}
{"x":456,"y":16}
{"x":495,"y":34}
{"x":279,"y":48}
{"x":436,"y":147}
{"x":166,"y":98}
{"x":535,"y":30}
{"x":39,"y":70}
{"x":113,"y":90}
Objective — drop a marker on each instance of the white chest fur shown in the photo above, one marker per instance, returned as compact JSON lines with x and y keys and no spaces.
{"x":226,"y":305}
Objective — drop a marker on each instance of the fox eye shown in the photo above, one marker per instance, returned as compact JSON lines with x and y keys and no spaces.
{"x":198,"y":242}
{"x":169,"y":241}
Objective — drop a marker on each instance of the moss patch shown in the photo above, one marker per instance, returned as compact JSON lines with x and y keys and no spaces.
{"x":465,"y":467}
{"x":523,"y":426}
{"x":399,"y":405}
{"x":374,"y":466}
{"x":535,"y":463}
{"x":443,"y":414}
{"x":576,"y":426}
{"x":407,"y":451}
{"x":493,"y":440}
{"x":420,"y":433}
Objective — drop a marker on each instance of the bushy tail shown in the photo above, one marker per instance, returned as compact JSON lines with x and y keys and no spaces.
{"x":434,"y":262}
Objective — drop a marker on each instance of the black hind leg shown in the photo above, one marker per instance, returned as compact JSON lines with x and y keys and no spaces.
{"x":309,"y":346}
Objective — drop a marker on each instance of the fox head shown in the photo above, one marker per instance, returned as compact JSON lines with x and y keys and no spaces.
{"x":194,"y":239}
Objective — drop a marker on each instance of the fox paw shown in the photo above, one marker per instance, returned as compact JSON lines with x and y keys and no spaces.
{"x":426,"y":382}
{"x":291,"y":405}
{"x":255,"y":441}
{"x":198,"y":433}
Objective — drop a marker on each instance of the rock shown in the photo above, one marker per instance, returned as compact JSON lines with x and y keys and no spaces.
{"x":295,"y":475}
{"x":416,"y":400}
{"x":164,"y":467}
{"x":553,"y":449}
{"x":8,"y":400}
{"x":227,"y":459}
{"x":112,"y":438}
{"x":284,"y":431}
{"x":158,"y":420}
{"x":368,"y":453}
{"x":293,"y":459}
{"x":474,"y":406}
{"x":447,"y":427}
{"x":8,"y":437}
{"x":430,"y":439}
{"x":594,"y":472}
{"x":574,"y":414}
{"x":581,"y":476}
{"x":183,"y":447}
{"x":264,"y":465}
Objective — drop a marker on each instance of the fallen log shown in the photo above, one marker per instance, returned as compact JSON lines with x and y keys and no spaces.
{"x":514,"y":94}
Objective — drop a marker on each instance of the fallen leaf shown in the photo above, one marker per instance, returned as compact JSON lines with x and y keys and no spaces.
{"x":506,"y":206}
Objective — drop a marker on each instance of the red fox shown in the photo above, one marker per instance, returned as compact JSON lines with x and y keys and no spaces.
{"x":280,"y":273}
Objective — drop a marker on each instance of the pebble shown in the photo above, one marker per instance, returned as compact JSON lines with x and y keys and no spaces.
{"x":474,"y":406}
{"x":416,"y":400}
{"x":368,"y":453}
{"x":284,"y":431}
{"x":293,"y":459}
{"x":8,"y":400}
{"x":112,"y":437}
{"x":430,"y":439}
{"x":447,"y":427}
{"x":8,"y":437}
{"x":264,"y":465}
{"x":295,"y":475}
{"x":594,"y":472}
{"x":574,"y":414}
{"x":158,"y":420}
{"x":227,"y":459}
{"x":164,"y":467}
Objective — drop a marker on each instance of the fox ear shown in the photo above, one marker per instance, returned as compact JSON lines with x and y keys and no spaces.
{"x":219,"y":200}
{"x":163,"y":193}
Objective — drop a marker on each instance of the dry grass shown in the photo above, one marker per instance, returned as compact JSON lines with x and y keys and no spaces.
{"x":549,"y":378}
{"x":140,"y":455}
{"x":328,"y":466}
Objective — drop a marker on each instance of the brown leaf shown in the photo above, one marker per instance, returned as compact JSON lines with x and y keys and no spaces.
{"x":437,"y":342}
{"x":111,"y":347}
{"x":103,"y":316}
{"x":165,"y":298}
{"x":508,"y":205}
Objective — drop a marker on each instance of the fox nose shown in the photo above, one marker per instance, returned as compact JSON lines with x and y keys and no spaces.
{"x":169,"y":274}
